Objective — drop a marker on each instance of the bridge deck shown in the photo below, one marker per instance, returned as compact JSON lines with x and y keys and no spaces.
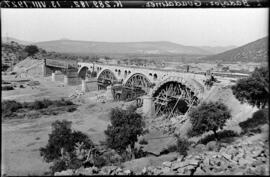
{"x":221,"y":74}
{"x":61,"y":63}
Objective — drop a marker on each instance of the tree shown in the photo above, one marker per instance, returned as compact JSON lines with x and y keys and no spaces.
{"x":126,"y":126}
{"x":31,"y":50}
{"x":209,"y":116}
{"x":253,"y":89}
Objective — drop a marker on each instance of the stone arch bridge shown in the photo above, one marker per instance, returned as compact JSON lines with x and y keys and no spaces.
{"x":160,"y":91}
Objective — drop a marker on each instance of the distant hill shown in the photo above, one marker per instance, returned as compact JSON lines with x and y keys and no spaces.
{"x":217,"y":49}
{"x":256,"y":51}
{"x":88,"y":47}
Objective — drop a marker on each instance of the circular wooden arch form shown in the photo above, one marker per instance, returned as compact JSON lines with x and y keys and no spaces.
{"x":174,"y":98}
{"x":106,"y":77}
{"x":138,"y":81}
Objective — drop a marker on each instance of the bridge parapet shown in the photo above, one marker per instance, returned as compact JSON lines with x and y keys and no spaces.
{"x":60,"y":63}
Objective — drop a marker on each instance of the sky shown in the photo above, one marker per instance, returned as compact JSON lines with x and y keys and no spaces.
{"x":196,"y":27}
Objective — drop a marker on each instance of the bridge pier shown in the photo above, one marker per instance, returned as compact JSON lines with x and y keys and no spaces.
{"x":148,"y":106}
{"x":53,"y":76}
{"x":66,"y":80}
{"x":84,"y":86}
{"x":46,"y":70}
{"x":109,"y":94}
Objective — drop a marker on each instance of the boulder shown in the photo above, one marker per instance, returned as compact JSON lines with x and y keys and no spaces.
{"x":193,"y":162}
{"x":68,"y":172}
{"x":127,"y":172}
{"x":165,"y":170}
{"x":177,"y":165}
{"x":167,"y":164}
{"x":227,"y":156}
{"x":264,"y":128}
{"x":84,"y":171}
{"x":200,"y":147}
{"x":108,"y":169}
{"x":199,"y":171}
{"x":211,"y":145}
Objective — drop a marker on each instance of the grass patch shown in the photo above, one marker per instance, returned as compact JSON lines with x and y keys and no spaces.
{"x":13,"y":109}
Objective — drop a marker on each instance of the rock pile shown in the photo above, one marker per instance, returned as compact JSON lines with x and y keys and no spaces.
{"x":162,"y":123}
{"x":240,"y":158}
{"x":77,"y":94}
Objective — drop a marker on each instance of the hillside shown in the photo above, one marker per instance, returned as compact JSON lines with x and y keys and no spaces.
{"x":256,"y":51}
{"x":10,"y":39}
{"x":12,"y":53}
{"x":217,"y":49}
{"x":88,"y":47}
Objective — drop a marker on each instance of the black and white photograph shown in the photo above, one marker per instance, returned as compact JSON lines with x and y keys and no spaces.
{"x":137,"y":91}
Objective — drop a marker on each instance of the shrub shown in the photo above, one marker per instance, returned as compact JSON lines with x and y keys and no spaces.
{"x":99,"y":161}
{"x":71,"y":109}
{"x":209,"y":116}
{"x":139,"y":153}
{"x":9,"y":107}
{"x":259,"y":117}
{"x":125,"y":127}
{"x":62,"y":137}
{"x":182,"y":146}
{"x":221,"y":135}
{"x":5,"y":67}
{"x":143,"y":142}
{"x":7,"y":87}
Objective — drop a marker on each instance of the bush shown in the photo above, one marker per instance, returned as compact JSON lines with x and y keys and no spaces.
{"x":62,"y":137}
{"x":9,"y":107}
{"x":7,"y":87}
{"x":12,"y":108}
{"x":182,"y":146}
{"x":259,"y":117}
{"x":143,"y":142}
{"x":5,"y":67}
{"x":125,"y":127}
{"x":209,"y":116}
{"x":139,"y":153}
{"x":221,"y":135}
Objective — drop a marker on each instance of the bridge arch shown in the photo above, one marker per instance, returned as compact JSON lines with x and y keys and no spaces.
{"x":105,"y":77}
{"x":176,"y":95}
{"x":138,"y":81}
{"x":82,"y":72}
